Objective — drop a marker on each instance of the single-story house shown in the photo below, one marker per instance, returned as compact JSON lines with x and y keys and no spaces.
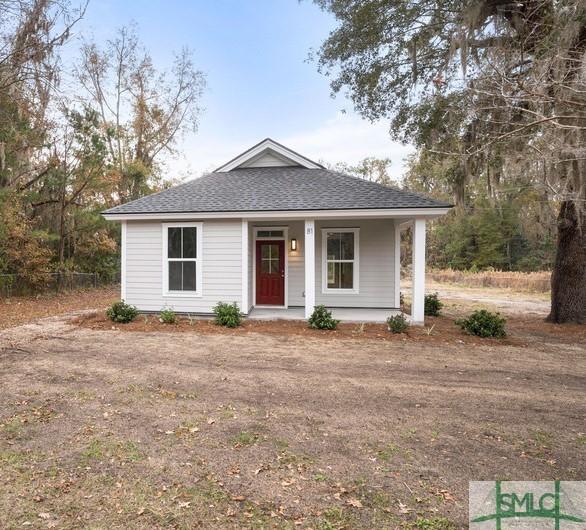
{"x":273,"y":230}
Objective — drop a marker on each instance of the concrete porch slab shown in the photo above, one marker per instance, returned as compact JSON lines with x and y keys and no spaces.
{"x":342,"y":314}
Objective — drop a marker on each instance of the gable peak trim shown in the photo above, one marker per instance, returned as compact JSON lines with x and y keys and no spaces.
{"x":268,"y":144}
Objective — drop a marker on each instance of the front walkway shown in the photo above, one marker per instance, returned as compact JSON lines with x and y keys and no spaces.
{"x":343,"y":314}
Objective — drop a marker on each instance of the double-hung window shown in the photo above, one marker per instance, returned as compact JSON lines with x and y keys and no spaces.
{"x":340,"y":260}
{"x":182,"y":263}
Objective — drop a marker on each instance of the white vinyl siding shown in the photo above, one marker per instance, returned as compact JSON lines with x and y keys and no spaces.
{"x":221,"y":267}
{"x":268,"y":160}
{"x":296,"y":265}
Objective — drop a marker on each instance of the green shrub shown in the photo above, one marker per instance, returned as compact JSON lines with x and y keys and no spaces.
{"x":121,"y":312}
{"x":433,"y":305}
{"x":321,"y":318}
{"x":228,"y":315}
{"x":168,"y":316}
{"x":483,"y":323}
{"x":397,"y":323}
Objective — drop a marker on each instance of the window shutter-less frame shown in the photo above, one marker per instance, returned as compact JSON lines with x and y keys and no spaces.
{"x":182,"y":260}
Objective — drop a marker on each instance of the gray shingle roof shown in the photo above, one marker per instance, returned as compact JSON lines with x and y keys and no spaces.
{"x":273,"y":189}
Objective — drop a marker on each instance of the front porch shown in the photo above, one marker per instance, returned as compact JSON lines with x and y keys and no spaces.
{"x":349,"y":264}
{"x":344,"y":314}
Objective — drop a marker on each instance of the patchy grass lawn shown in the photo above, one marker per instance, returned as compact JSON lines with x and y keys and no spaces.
{"x":273,"y":426}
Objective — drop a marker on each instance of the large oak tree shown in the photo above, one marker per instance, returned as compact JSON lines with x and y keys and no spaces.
{"x":498,"y":87}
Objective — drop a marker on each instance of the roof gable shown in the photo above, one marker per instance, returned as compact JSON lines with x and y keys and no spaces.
{"x":269,"y":153}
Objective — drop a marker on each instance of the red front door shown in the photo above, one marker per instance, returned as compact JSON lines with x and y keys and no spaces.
{"x":270,"y":272}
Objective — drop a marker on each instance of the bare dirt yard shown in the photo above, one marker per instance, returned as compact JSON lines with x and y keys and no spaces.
{"x":276,"y":426}
{"x":21,"y":309}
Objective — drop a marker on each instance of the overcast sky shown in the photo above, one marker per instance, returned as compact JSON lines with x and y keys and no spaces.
{"x":254,"y":54}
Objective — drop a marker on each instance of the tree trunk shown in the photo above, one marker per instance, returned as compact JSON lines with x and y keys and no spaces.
{"x":62,"y":224}
{"x":568,"y":279}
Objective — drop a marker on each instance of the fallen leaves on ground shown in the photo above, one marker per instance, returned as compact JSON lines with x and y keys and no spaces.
{"x":19,"y":310}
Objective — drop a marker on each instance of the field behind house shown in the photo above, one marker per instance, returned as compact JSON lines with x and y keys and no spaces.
{"x":539,"y":282}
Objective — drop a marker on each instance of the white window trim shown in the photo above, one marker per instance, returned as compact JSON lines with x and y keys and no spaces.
{"x":285,"y":238}
{"x":324,"y":260}
{"x":198,"y":260}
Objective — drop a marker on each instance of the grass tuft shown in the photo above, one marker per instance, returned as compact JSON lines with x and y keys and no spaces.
{"x":388,"y":452}
{"x":436,"y":523}
{"x":244,"y":439}
{"x":123,"y":451}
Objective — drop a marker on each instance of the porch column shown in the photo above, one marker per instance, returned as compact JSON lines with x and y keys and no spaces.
{"x":244,"y":305}
{"x":418,"y":272}
{"x":123,"y":262}
{"x":397,"y":265}
{"x":309,"y":253}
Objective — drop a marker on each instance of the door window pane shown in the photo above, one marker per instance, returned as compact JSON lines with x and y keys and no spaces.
{"x":269,"y":233}
{"x":275,"y":266}
{"x":270,"y":259}
{"x":270,"y":266}
{"x":175,"y":275}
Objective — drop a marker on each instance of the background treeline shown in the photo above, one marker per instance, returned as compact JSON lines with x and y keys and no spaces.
{"x":502,"y":228}
{"x":78,"y":135}
{"x":511,"y":228}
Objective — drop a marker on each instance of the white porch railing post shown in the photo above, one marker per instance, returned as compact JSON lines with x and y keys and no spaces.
{"x":418,"y":272}
{"x":309,"y":253}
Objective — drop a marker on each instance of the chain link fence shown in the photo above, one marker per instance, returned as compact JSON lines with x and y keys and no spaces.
{"x":19,"y":285}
